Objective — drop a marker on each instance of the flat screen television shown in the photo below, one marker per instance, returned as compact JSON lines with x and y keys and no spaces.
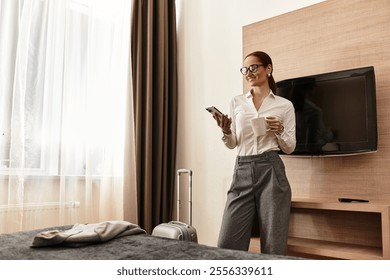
{"x":335,"y":112}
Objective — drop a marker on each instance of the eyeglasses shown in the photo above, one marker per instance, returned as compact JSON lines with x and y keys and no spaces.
{"x":252,"y":68}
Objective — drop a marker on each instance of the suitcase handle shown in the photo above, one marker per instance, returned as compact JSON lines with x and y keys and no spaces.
{"x":179,"y":223}
{"x":183,"y":170}
{"x":189,"y":172}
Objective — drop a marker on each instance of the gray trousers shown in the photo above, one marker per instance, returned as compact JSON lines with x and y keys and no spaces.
{"x":259,"y":187}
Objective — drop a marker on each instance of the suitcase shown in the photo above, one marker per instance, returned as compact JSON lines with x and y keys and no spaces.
{"x":176,"y":229}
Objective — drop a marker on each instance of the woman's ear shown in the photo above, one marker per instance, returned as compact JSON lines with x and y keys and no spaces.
{"x":269,"y":70}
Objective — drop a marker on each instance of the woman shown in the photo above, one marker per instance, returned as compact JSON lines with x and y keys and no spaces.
{"x":260,"y":186}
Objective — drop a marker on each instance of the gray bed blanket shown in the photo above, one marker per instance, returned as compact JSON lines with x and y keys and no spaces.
{"x":85,"y":234}
{"x":17,"y":246}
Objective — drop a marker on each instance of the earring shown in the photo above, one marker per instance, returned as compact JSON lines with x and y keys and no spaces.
{"x":269,"y":75}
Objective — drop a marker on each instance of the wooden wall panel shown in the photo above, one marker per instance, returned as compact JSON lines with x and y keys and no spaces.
{"x":330,"y":36}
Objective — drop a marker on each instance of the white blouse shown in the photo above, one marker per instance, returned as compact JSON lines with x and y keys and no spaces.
{"x":242,"y":110}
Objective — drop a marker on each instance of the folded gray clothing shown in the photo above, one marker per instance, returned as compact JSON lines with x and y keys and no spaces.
{"x":85,"y":234}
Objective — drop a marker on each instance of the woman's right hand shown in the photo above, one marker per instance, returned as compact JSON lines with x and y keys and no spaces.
{"x":224,"y":122}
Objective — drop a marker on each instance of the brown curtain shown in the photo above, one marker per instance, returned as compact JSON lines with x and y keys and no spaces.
{"x":154,"y":72}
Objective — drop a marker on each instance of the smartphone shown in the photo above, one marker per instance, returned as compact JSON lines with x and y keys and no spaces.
{"x":213,"y":109}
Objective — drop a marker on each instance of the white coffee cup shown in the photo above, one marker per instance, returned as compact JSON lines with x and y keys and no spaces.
{"x":259,"y":126}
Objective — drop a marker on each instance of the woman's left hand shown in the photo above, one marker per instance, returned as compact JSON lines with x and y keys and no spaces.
{"x":275,"y":124}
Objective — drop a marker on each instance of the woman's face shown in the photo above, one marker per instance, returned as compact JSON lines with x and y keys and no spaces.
{"x":258,"y":75}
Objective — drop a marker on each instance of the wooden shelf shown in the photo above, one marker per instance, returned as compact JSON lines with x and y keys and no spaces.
{"x":327,"y":228}
{"x":335,"y":250}
{"x":334,"y":204}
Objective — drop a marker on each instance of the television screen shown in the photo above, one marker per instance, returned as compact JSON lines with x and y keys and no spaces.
{"x":335,"y":112}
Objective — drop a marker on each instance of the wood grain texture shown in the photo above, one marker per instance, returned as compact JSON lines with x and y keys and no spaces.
{"x":326,"y":37}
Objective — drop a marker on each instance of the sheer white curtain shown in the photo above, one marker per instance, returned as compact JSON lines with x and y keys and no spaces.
{"x":63,"y":95}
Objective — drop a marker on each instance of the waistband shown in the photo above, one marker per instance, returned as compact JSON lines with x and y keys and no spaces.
{"x":263,"y":156}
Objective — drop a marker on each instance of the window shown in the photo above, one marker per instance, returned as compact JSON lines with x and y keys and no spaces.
{"x":63,"y":86}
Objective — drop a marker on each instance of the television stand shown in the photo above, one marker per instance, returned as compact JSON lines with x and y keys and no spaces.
{"x":329,"y":229}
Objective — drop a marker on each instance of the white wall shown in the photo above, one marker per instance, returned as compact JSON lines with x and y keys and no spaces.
{"x":210,"y":55}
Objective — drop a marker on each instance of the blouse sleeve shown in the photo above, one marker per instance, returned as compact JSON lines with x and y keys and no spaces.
{"x":230,"y":140}
{"x":287,"y":139}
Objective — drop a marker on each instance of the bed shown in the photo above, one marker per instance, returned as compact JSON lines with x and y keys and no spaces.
{"x":134,"y":246}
